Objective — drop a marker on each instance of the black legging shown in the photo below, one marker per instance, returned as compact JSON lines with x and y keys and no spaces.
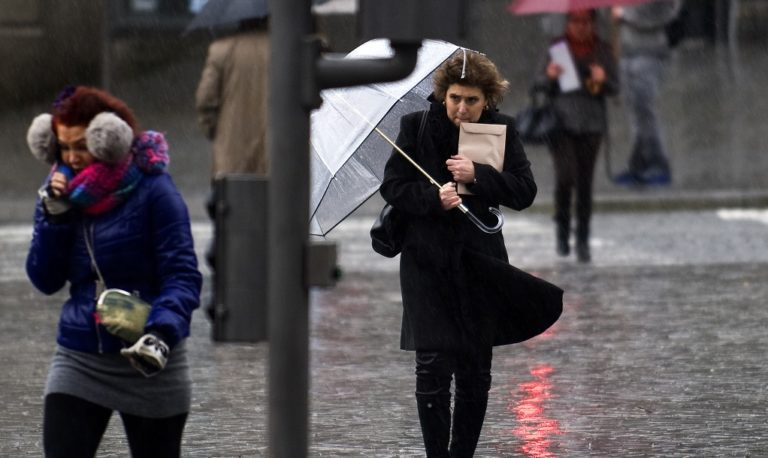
{"x":73,"y":427}
{"x":574,"y":157}
{"x":471,"y":368}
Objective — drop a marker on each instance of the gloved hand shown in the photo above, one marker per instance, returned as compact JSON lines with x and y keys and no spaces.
{"x":148,"y":355}
{"x":56,"y":208}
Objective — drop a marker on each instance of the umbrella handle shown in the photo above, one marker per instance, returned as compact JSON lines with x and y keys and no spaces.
{"x":480,"y":224}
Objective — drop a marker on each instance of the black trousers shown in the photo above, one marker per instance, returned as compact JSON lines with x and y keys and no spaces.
{"x":574,"y":157}
{"x":73,"y":427}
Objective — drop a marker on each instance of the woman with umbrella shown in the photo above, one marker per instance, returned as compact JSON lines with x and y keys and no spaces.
{"x":447,"y":321}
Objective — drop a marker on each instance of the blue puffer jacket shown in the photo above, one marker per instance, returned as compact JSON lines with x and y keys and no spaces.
{"x":145,"y":245}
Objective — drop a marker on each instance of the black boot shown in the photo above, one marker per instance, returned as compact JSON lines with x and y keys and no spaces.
{"x":582,"y":252}
{"x":468,"y":416}
{"x":562,"y":235}
{"x":582,"y":244}
{"x":435,"y":419}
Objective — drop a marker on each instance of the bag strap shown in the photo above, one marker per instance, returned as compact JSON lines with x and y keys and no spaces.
{"x":421,"y":128}
{"x":89,"y":246}
{"x":539,"y":95}
{"x":419,"y":137}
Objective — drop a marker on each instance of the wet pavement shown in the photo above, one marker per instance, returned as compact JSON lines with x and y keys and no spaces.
{"x":660,"y":351}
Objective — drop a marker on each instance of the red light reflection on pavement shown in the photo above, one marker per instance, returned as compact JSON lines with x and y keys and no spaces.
{"x":535,"y":429}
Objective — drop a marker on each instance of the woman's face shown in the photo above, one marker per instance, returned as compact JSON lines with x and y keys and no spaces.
{"x":580,"y":26}
{"x":464,"y":103}
{"x":72,"y":146}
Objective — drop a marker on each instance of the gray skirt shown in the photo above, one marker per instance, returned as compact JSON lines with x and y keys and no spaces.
{"x":110,"y":381}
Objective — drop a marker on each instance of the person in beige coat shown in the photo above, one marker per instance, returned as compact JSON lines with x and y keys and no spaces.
{"x":231,"y":100}
{"x":231,"y":105}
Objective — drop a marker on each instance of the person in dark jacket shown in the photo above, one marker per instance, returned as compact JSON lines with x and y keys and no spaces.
{"x":110,"y":216}
{"x":583,"y":115}
{"x":439,"y":313}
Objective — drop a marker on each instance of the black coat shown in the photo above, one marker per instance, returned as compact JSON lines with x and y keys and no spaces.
{"x":440,"y":311}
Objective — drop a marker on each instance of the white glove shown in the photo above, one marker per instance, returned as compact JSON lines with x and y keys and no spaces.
{"x":54,"y":206}
{"x":148,"y":355}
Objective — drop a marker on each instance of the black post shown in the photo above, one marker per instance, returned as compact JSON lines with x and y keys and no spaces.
{"x":296,"y":77}
{"x":288,"y":232}
{"x":722,"y":11}
{"x":106,"y":46}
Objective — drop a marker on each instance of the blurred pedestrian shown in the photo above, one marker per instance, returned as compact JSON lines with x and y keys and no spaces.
{"x":231,"y":99}
{"x":467,"y":88}
{"x":110,"y":216}
{"x":582,"y":112}
{"x":231,"y":103}
{"x":645,"y":48}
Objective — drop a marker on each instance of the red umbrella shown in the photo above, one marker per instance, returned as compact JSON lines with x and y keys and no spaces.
{"x":563,"y":6}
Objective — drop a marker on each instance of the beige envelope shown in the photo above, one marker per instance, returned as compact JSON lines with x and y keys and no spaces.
{"x":483,"y":143}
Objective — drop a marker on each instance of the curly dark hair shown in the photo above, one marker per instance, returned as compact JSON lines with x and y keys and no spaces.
{"x":78,"y":105}
{"x":479,"y":72}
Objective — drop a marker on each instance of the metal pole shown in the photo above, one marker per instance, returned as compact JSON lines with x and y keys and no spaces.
{"x":288,"y":233}
{"x":106,"y":46}
{"x":721,"y":22}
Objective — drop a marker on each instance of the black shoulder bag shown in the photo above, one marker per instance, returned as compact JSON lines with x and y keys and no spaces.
{"x":388,"y":231}
{"x":538,"y":122}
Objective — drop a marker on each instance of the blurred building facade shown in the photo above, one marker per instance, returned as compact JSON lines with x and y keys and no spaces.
{"x":48,"y":43}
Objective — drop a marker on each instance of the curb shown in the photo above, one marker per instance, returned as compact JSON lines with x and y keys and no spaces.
{"x":653,"y":200}
{"x":20,"y":211}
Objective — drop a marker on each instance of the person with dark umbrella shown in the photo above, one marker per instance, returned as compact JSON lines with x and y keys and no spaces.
{"x":231,"y":100}
{"x":446,"y":321}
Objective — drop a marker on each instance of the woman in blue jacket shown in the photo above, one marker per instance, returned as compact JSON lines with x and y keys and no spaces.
{"x":110,"y":216}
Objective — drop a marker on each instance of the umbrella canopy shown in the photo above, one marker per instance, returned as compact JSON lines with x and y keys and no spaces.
{"x":563,"y":6}
{"x":348,"y":157}
{"x":220,"y":13}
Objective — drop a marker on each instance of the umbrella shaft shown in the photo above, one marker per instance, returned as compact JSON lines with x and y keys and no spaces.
{"x":389,"y":140}
{"x":405,"y":155}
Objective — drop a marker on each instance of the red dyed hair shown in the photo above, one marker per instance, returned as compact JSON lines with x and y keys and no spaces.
{"x":79,"y":108}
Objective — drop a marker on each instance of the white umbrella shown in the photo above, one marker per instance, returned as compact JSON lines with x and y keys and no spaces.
{"x":348,"y":157}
